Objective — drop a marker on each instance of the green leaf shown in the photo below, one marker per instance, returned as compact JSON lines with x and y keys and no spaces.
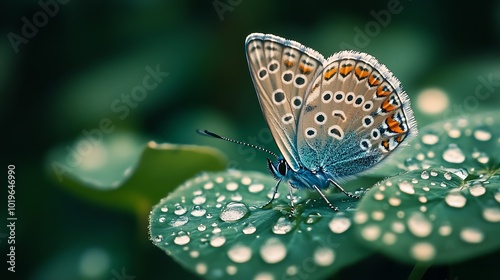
{"x":214,"y":225}
{"x":447,"y":207}
{"x":136,"y":180}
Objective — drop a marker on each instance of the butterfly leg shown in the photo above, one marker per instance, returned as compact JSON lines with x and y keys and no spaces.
{"x":344,"y":191}
{"x":334,"y":208}
{"x":274,"y":194}
{"x":292,"y":206}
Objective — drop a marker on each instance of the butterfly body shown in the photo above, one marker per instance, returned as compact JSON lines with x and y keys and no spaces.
{"x":332,"y":119}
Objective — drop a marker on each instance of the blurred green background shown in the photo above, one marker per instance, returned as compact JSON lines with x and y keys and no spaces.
{"x":67,"y":69}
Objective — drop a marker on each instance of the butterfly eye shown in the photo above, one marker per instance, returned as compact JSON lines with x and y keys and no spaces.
{"x":282,"y":167}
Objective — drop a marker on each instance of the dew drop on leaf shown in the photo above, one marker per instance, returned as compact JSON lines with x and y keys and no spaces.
{"x":233,"y":211}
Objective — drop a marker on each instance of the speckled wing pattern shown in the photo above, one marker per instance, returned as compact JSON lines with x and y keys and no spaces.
{"x":342,"y":115}
{"x":282,"y":71}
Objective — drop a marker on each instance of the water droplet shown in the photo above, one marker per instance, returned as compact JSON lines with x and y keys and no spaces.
{"x":282,"y":226}
{"x":497,"y":196}
{"x":273,"y":251}
{"x":208,"y":185}
{"x":231,"y":186}
{"x":194,"y":254}
{"x":394,"y":201}
{"x":378,"y":196}
{"x":471,"y":235}
{"x":158,"y":238}
{"x":216,"y":230}
{"x":255,"y":188}
{"x":360,"y":217}
{"x":209,"y":216}
{"x":162,"y":219}
{"x":198,"y":211}
{"x":477,"y":189}
{"x":219,"y":179}
{"x":411,"y":164}
{"x":483,"y":158}
{"x":423,"y":251}
{"x":430,"y":139}
{"x":482,"y":135}
{"x":199,"y":200}
{"x":182,"y":220}
{"x":398,"y":227}
{"x":246,"y":180}
{"x":202,"y":227}
{"x":221,"y":198}
{"x":378,"y":215}
{"x":233,"y":211}
{"x":492,"y":214}
{"x":389,"y":238}
{"x":406,"y":187}
{"x":182,"y":238}
{"x":414,"y":181}
{"x":313,"y":218}
{"x":164,"y":209}
{"x":201,"y":268}
{"x":236,"y":197}
{"x":419,"y":225}
{"x":292,"y":270}
{"x":179,"y":209}
{"x":371,"y":232}
{"x":445,"y":230}
{"x":249,"y":229}
{"x":453,"y":154}
{"x":240,"y":253}
{"x":447,"y":176}
{"x":455,"y":199}
{"x":454,"y":133}
{"x":264,"y":276}
{"x":324,"y":256}
{"x":460,"y":172}
{"x":434,"y":173}
{"x":340,"y":224}
{"x":217,"y":240}
{"x":231,"y":269}
{"x":422,"y":199}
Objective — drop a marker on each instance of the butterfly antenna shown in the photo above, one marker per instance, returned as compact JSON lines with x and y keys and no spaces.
{"x":214,"y":135}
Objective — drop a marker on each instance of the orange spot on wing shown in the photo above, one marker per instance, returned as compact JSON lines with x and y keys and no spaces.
{"x":394,"y":125}
{"x":329,"y":73}
{"x":346,"y":69}
{"x":387,"y":106}
{"x":385,"y":144}
{"x":400,"y":138}
{"x":383,"y":91}
{"x":288,"y":63}
{"x":361,"y":72}
{"x":304,"y":69}
{"x":374,"y":80}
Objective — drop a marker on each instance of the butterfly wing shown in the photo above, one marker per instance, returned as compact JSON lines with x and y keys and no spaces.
{"x":355,"y":115}
{"x":282,"y":72}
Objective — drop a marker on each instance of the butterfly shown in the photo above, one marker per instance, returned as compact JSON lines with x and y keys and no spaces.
{"x":332,"y":119}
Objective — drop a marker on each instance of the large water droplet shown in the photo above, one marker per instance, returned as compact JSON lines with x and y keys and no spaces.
{"x":179,"y":209}
{"x":371,"y":232}
{"x":482,"y":135}
{"x":273,"y":251}
{"x":182,"y":220}
{"x":423,"y":251}
{"x":430,"y":139}
{"x":492,"y":214}
{"x":249,"y":229}
{"x":453,"y":154}
{"x":471,"y":235}
{"x":282,"y":226}
{"x":240,"y":253}
{"x":231,"y":186}
{"x":477,"y":189}
{"x":182,"y":238}
{"x":255,"y":188}
{"x":217,"y":240}
{"x":406,"y":187}
{"x":233,"y":211}
{"x":455,"y":199}
{"x":198,"y":211}
{"x":339,"y":224}
{"x":419,"y":225}
{"x":324,"y":256}
{"x":199,"y":200}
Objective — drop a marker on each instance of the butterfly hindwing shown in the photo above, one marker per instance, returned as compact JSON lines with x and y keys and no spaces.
{"x":282,"y":72}
{"x":354,"y":116}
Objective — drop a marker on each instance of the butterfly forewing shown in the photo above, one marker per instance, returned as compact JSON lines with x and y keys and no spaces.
{"x":282,"y":72}
{"x":354,"y":116}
